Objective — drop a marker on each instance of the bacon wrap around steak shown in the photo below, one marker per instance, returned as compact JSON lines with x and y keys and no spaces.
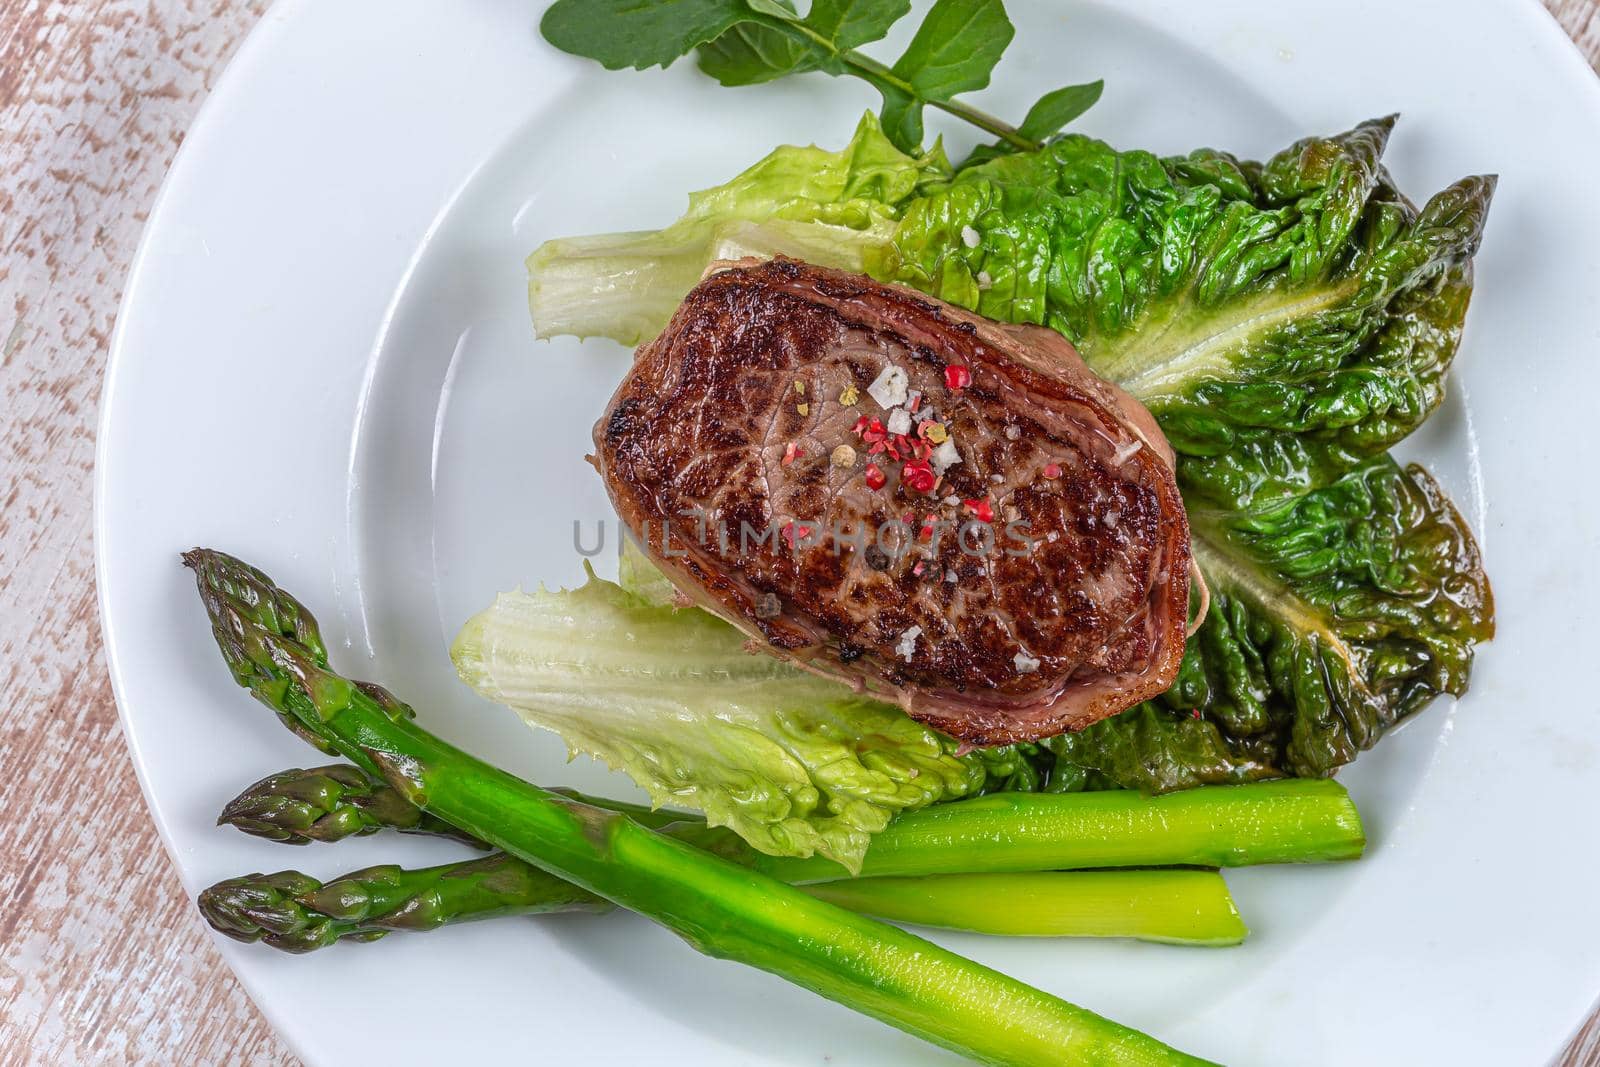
{"x":728,"y":429}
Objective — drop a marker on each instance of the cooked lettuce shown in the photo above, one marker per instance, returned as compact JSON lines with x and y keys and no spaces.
{"x":1282,"y":321}
{"x":793,"y":763}
{"x":1334,"y":615}
{"x":1287,"y":322}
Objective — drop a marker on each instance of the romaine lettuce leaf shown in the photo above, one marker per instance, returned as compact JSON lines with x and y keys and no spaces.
{"x":1333,"y":616}
{"x":793,"y":763}
{"x":1282,"y":321}
{"x":825,"y":207}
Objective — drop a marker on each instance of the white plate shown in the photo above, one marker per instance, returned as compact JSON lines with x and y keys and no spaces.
{"x":323,"y":364}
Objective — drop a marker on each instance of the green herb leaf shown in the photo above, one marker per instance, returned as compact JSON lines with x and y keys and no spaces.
{"x":955,"y":48}
{"x":902,"y":117}
{"x":1055,"y":109}
{"x":1049,"y":113}
{"x":631,"y":33}
{"x":754,"y":52}
{"x":746,"y":42}
{"x":851,"y":23}
{"x":784,"y":43}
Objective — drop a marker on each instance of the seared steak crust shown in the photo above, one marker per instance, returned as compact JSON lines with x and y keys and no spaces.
{"x":728,"y":431}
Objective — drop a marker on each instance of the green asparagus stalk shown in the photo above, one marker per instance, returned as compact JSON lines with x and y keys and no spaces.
{"x":1177,"y":907}
{"x":272,"y":646}
{"x":296,"y":913}
{"x":1300,"y":820}
{"x":328,"y":804}
{"x":1294,"y":821}
{"x":298,"y":806}
{"x":643,"y":814}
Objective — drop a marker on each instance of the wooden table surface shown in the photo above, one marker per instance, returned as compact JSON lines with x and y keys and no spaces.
{"x":95,"y":96}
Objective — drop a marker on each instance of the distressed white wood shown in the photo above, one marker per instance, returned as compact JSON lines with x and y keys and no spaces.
{"x":102,"y":959}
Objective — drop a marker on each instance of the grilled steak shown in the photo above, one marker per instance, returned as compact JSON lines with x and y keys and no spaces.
{"x":944,"y":511}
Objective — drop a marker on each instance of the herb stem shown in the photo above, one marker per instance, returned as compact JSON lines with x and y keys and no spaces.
{"x":869,"y":69}
{"x":873,"y":71}
{"x":985,"y":121}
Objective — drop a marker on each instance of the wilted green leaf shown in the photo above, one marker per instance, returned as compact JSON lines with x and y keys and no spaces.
{"x":1334,"y":616}
{"x":1282,"y":321}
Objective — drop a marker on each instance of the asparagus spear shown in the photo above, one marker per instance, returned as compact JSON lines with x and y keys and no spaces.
{"x":1178,"y":907}
{"x":1299,"y":820}
{"x":328,"y":804}
{"x":272,"y":646}
{"x":1294,"y":821}
{"x":296,"y":913}
{"x":332,"y":803}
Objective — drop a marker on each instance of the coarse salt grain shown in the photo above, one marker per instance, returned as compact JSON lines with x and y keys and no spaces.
{"x":984,"y":281}
{"x":899,"y":421}
{"x":908,"y":643}
{"x":889,"y":387}
{"x":1013,"y":432}
{"x":970,"y":237}
{"x":1026,"y":664}
{"x":945,"y":456}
